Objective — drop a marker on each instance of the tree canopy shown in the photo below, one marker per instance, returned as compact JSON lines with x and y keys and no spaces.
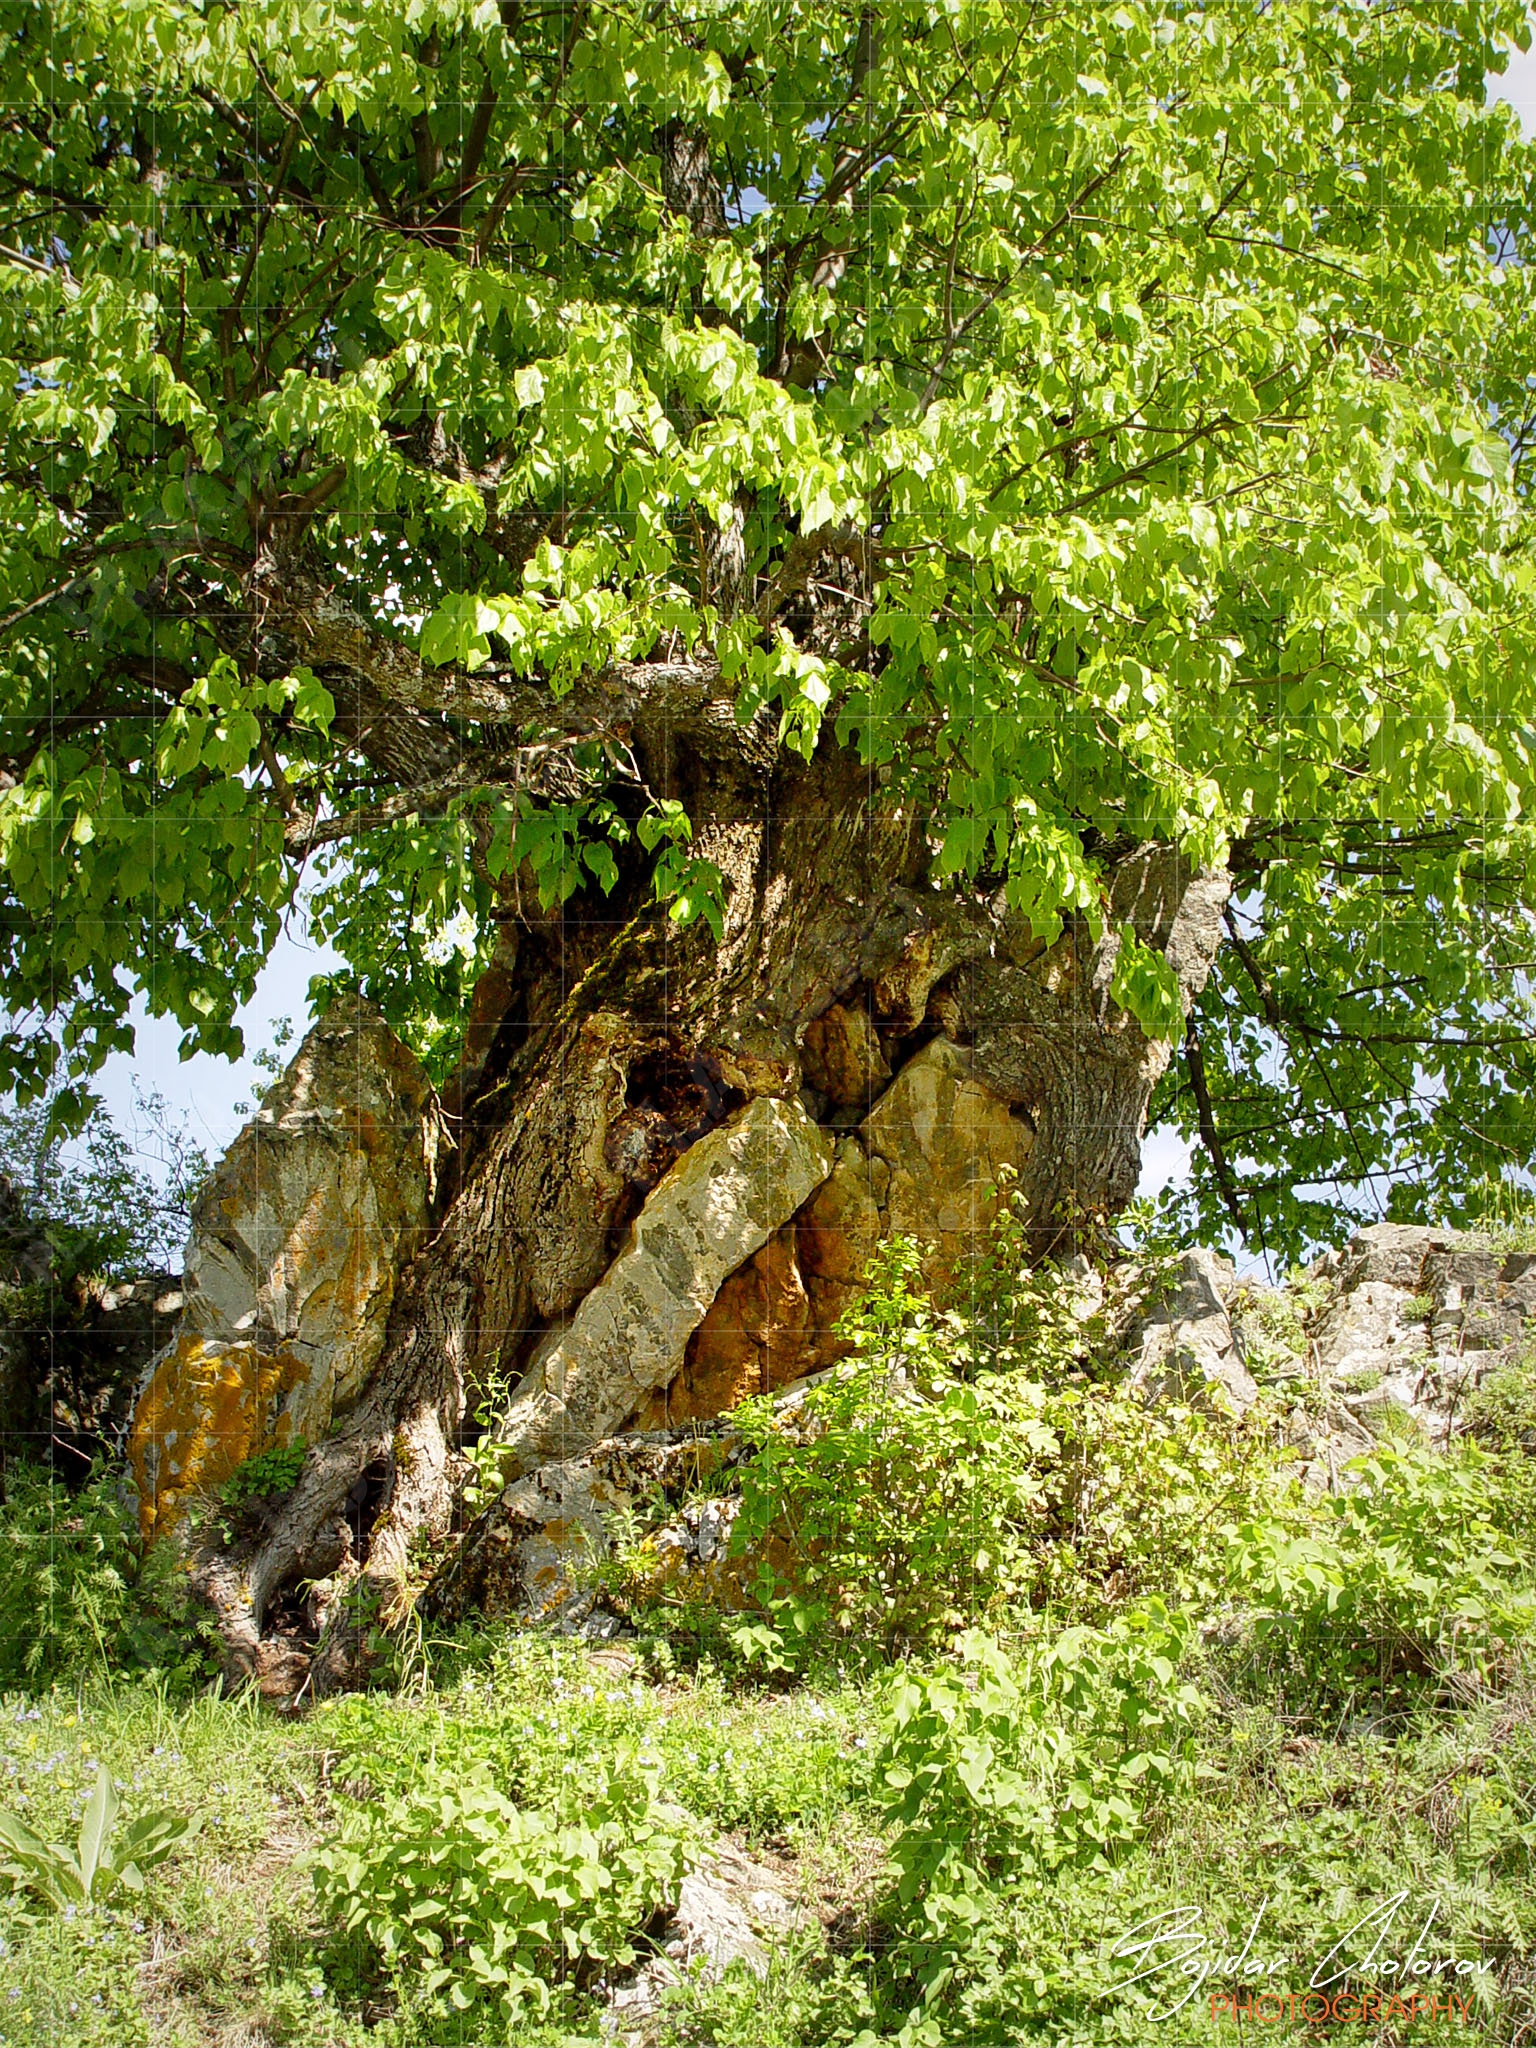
{"x":403,"y":398}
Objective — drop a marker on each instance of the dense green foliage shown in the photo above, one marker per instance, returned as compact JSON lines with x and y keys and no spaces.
{"x":474,"y":1906}
{"x":1207,"y":1690}
{"x":1159,"y":369}
{"x":77,"y":1590}
{"x":1070,"y":1786}
{"x":965,"y":1467}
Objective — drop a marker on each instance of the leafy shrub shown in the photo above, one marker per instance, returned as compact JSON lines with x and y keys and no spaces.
{"x":1501,"y":1413}
{"x":270,"y":1472}
{"x":965,"y":1464}
{"x":1016,"y":1766}
{"x":1140,"y":1495}
{"x":92,"y":1872}
{"x":471,"y":1904}
{"x":907,"y":1495}
{"x":1405,"y":1574}
{"x":79,"y":1593}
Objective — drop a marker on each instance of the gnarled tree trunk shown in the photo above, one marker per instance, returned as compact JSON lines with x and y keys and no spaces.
{"x":603,"y":1052}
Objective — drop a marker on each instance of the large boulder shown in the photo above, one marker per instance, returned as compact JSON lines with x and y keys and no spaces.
{"x":939,"y":1141}
{"x":292,"y":1261}
{"x":926,"y":1163}
{"x":1183,"y":1347}
{"x":711,"y":1212}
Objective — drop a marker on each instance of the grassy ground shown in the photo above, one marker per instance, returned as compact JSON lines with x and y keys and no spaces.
{"x":1228,"y":1743}
{"x":225,"y":1946}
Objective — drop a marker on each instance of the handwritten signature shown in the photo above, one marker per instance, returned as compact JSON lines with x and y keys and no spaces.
{"x":1176,"y":1940}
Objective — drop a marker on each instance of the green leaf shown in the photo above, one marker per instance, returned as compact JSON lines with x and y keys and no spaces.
{"x":1144,"y":983}
{"x":96,"y":1827}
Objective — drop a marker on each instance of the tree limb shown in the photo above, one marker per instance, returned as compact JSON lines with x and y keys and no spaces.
{"x":1194,"y":1058}
{"x":958,"y":334}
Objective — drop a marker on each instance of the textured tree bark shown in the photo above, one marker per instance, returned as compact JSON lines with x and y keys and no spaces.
{"x":606,"y":1046}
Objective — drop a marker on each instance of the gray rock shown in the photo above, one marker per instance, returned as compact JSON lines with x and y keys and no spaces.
{"x":1184,"y":1347}
{"x":1412,"y":1318}
{"x":729,"y":1908}
{"x":530,"y":1554}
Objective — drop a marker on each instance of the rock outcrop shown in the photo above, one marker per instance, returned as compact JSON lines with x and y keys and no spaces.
{"x":1388,"y":1336}
{"x":296,"y":1245}
{"x":712,"y":1211}
{"x":1185,"y":1347}
{"x":925,"y":1163}
{"x":1411,"y":1320}
{"x":528,"y":1555}
{"x":730,"y":1908}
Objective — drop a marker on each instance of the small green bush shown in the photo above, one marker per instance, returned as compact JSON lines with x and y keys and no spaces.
{"x":79,"y":1595}
{"x":908,"y":1495}
{"x":1011,"y":1766}
{"x":270,"y":1472}
{"x":470,"y":1904}
{"x":965,"y":1466}
{"x":1404,"y":1575}
{"x":1501,"y":1413}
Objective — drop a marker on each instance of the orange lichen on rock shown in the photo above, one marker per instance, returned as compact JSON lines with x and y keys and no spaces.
{"x":842,"y":1056}
{"x":291,"y":1267}
{"x":751,"y":1341}
{"x":926,"y":1163}
{"x":207,"y":1408}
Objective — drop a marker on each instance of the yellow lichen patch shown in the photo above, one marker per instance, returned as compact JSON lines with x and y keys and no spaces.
{"x":206,"y":1410}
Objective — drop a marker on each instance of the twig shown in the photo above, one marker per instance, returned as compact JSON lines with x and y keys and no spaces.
{"x":1194,"y":1057}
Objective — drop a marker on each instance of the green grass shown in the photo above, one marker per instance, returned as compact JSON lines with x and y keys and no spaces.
{"x":225,"y":1936}
{"x":1311,"y":1824}
{"x":1337,"y":1710}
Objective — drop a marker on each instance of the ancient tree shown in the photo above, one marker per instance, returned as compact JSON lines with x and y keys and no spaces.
{"x":735,"y":553}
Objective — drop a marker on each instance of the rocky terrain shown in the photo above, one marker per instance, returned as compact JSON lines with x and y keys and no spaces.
{"x":729,"y":1282}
